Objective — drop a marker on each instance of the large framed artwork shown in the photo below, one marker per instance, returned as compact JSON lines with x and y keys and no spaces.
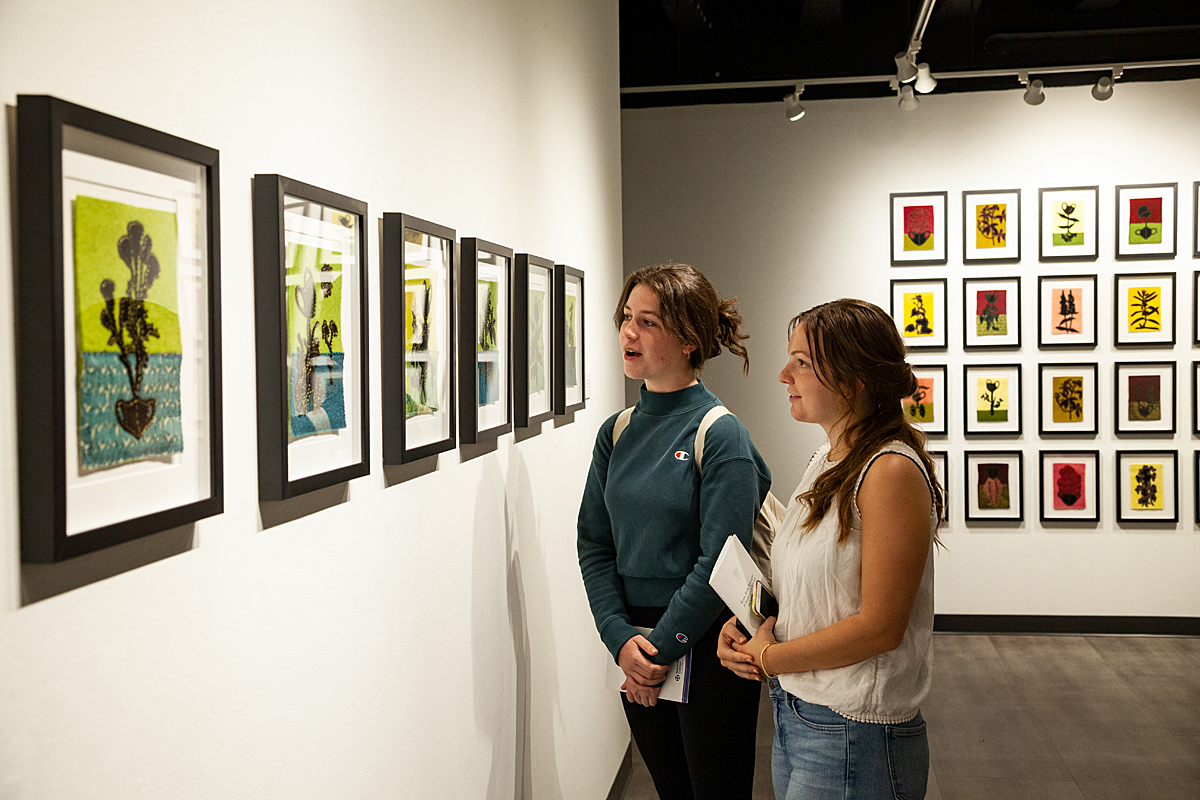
{"x":484,"y":340}
{"x":1070,"y":485}
{"x":992,"y":226}
{"x":569,"y":340}
{"x":1066,"y":311}
{"x":926,"y":407}
{"x":1068,"y":223}
{"x":1147,"y":485}
{"x":310,"y":297}
{"x":419,"y":336}
{"x":533,"y":374}
{"x":919,"y":309}
{"x":1067,"y":399}
{"x":941,"y":471}
{"x":994,"y":485}
{"x":992,"y":311}
{"x":118,"y":329}
{"x":1144,"y":400}
{"x":1146,"y":219}
{"x":993,"y":399}
{"x":1144,"y":309}
{"x":918,"y":226}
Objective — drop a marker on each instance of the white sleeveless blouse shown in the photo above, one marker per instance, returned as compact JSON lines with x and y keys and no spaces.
{"x":819,"y":582}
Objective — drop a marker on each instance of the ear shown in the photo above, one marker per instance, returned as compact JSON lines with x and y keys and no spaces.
{"x":688,"y":349}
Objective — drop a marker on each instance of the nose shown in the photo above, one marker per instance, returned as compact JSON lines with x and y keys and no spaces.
{"x":628,"y":331}
{"x":783,"y":377}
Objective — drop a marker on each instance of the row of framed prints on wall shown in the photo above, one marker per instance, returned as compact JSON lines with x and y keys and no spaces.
{"x":1068,"y":219}
{"x":1069,"y":485}
{"x":119,"y":334}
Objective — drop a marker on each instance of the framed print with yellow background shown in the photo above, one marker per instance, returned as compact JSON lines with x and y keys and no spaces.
{"x":1067,"y":311}
{"x":1144,"y":309}
{"x":1067,"y":399}
{"x":1068,"y":223}
{"x":993,"y":399}
{"x":918,"y":227}
{"x":1147,"y":485}
{"x":919,"y":310}
{"x":1146,"y":220}
{"x":992,"y":226}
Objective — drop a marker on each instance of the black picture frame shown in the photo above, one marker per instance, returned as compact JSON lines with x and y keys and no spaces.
{"x":415,"y":250}
{"x":1012,"y":425}
{"x":1196,"y":306}
{"x":46,"y":129}
{"x":941,"y":464}
{"x":1164,"y":336}
{"x":1125,"y":250}
{"x":939,"y":201}
{"x":531,"y":406}
{"x":1010,"y":252}
{"x":1048,"y":216}
{"x":1124,"y":460}
{"x":1196,"y":397}
{"x":1123,"y":399}
{"x":1196,"y":220}
{"x":1070,"y":306}
{"x":281,"y":473}
{"x":475,"y":256}
{"x":973,"y":508}
{"x":910,"y":333}
{"x":570,"y":361}
{"x":1196,"y":484}
{"x":1088,"y":406}
{"x":1046,"y":511}
{"x":939,"y":425}
{"x":1011,"y":340}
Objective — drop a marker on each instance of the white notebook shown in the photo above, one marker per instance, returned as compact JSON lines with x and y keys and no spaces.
{"x":675,"y":686}
{"x":733,"y":578}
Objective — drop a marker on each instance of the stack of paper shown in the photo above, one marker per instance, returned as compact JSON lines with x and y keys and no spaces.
{"x":733,"y":578}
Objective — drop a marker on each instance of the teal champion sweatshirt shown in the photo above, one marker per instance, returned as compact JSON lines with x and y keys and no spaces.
{"x":651,"y":526}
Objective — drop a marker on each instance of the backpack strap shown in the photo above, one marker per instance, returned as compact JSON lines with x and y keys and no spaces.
{"x":619,"y":425}
{"x":714,"y":414}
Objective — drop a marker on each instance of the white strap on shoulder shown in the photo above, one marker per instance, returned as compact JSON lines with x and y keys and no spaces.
{"x":714,"y":414}
{"x":619,"y":425}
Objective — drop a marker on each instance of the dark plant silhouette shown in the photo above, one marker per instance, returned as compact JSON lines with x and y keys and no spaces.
{"x":308,"y":345}
{"x":1143,"y":399}
{"x":1067,"y":221}
{"x":128,"y":325}
{"x":488,"y":335}
{"x":990,"y":223}
{"x":989,"y":315}
{"x":991,"y":396}
{"x":918,"y":224}
{"x":917,"y":408}
{"x":920,"y":319}
{"x":1069,"y":397}
{"x":1145,"y":486}
{"x":1069,"y":486}
{"x":1066,"y":310}
{"x":1144,"y":311}
{"x":992,"y":488}
{"x":1147,"y":231}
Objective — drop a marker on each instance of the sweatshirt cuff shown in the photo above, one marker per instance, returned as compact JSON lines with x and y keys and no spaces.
{"x":615,"y":634}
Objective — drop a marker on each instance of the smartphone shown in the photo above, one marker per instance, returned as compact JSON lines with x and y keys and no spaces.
{"x":763,"y":602}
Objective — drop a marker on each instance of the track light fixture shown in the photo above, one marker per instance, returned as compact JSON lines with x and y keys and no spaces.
{"x":906,"y":67}
{"x":1033,"y":89}
{"x":908,"y":100}
{"x":1103,"y":88}
{"x":791,"y":103}
{"x":925,"y":83}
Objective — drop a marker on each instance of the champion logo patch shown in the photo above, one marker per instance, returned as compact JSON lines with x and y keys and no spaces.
{"x":682,"y":455}
{"x":682,"y":637}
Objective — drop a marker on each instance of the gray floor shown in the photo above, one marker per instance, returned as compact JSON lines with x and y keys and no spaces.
{"x":1048,"y":718}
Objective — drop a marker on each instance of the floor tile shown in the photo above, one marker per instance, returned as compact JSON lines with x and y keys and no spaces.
{"x":990,"y":740}
{"x":968,"y":788}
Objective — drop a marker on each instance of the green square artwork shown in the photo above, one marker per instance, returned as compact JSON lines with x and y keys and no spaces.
{"x":537,"y":340}
{"x":314,"y":339}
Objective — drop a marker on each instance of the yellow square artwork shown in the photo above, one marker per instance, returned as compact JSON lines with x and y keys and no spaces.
{"x":918,"y":306}
{"x":1146,"y":487}
{"x":991,"y":225}
{"x":1144,"y":308}
{"x":991,"y":399}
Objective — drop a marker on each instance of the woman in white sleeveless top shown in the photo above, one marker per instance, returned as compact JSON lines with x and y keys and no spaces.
{"x":852,"y":564}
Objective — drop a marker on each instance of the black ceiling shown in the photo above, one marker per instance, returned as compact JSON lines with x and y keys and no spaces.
{"x":688,"y":42}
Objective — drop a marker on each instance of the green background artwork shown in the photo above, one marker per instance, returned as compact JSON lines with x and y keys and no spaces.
{"x":487,"y":333}
{"x":313,"y":294}
{"x":537,"y":340}
{"x":419,"y":328}
{"x":99,"y":225}
{"x":300,"y":259}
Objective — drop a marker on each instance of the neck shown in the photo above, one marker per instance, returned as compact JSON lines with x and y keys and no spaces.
{"x":671,"y":384}
{"x":839,"y":445}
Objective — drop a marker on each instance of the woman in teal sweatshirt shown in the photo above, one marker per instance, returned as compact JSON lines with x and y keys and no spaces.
{"x":651,"y":526}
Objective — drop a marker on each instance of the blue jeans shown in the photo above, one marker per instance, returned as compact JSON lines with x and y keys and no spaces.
{"x":820,"y":755}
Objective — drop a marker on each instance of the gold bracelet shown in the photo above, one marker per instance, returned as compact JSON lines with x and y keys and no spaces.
{"x":762,"y":660}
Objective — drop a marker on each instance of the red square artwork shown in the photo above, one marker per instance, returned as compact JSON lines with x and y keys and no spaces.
{"x":1068,"y":486}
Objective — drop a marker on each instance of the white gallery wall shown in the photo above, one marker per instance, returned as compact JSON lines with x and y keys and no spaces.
{"x":789,"y":215}
{"x":407,"y":635}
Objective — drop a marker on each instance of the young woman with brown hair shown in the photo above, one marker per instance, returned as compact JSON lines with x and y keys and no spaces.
{"x":852,"y":568}
{"x":651,"y":526}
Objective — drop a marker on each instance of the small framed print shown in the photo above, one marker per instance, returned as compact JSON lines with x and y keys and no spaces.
{"x":118,"y":326}
{"x":918,"y":228}
{"x":1196,"y":306}
{"x":569,"y":340}
{"x":919,"y":310}
{"x":1144,"y":397}
{"x":993,"y":310}
{"x":926,"y":407}
{"x":1196,"y":228}
{"x":1066,"y":311}
{"x":994,"y":485}
{"x":1147,"y":485}
{"x":992,"y":226}
{"x":1068,"y":223}
{"x":1144,"y":309}
{"x":1070,"y":485}
{"x":993,"y":399}
{"x":1196,"y":398}
{"x":310,"y":295}
{"x":1067,"y":399}
{"x":533,"y":301}
{"x":417,"y":322}
{"x":484,"y":340}
{"x":941,"y":471}
{"x":1146,"y":215}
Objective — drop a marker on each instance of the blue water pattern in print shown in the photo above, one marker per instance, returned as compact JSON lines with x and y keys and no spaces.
{"x":489,"y":387}
{"x":102,"y":381}
{"x":330,"y":414}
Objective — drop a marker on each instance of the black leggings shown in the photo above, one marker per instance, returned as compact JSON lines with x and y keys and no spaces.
{"x":703,"y":748}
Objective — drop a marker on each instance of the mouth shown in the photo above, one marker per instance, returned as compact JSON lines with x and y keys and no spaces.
{"x":631,"y":354}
